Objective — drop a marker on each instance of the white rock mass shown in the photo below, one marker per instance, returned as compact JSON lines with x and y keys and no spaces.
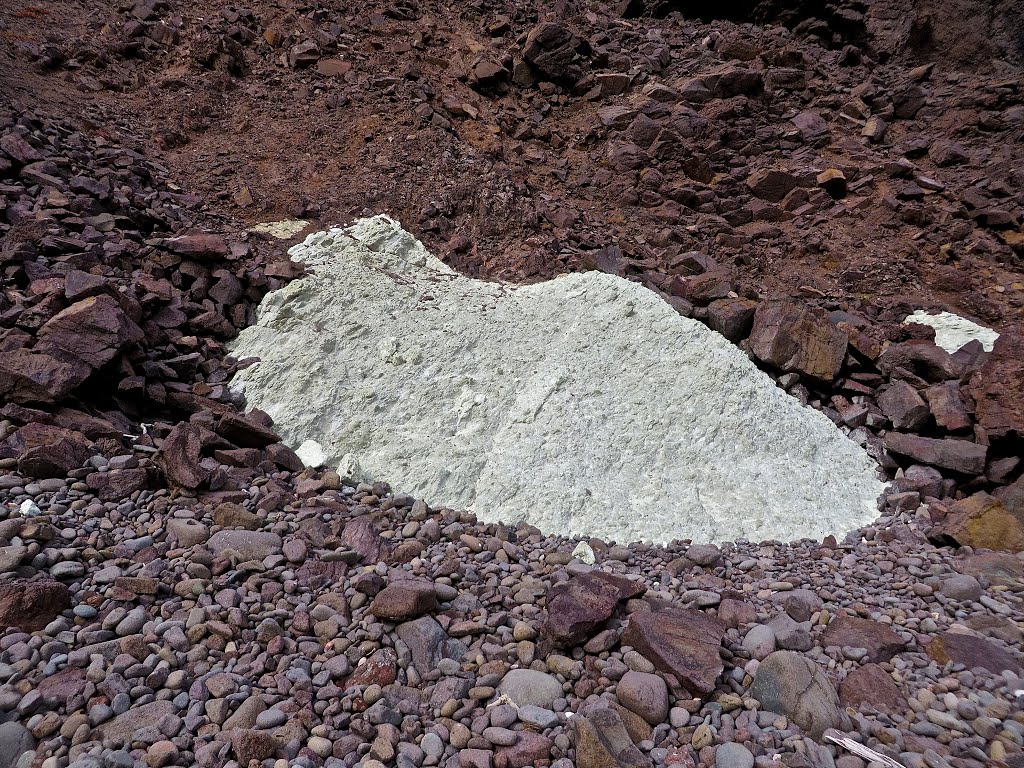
{"x":953,"y":331}
{"x":584,"y":405}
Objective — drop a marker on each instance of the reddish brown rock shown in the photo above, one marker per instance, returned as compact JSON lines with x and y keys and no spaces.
{"x":772,"y":184}
{"x":63,"y":687}
{"x":958,"y":455}
{"x":198,"y":246}
{"x":983,"y":522}
{"x":576,"y":609}
{"x":381,"y":668}
{"x":681,"y":643}
{"x":973,"y":651}
{"x":947,"y":406}
{"x":31,"y":605}
{"x":733,"y":318}
{"x":253,"y":745}
{"x":32,"y":377}
{"x":871,"y":687}
{"x":854,"y":632}
{"x":903,"y":406}
{"x":360,"y":536}
{"x":995,"y":567}
{"x":555,"y":51}
{"x":530,"y":749}
{"x":999,"y":408}
{"x":404,"y":600}
{"x":94,"y":330}
{"x":245,"y":431}
{"x":795,"y":338}
{"x":179,"y":457}
{"x":922,"y":359}
{"x":602,"y":741}
{"x":44,"y":450}
{"x":117,"y":484}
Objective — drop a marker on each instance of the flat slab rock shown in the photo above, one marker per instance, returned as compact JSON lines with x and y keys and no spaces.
{"x":583,"y":405}
{"x":681,"y":643}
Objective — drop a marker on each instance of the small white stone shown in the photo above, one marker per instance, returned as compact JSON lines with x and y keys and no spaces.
{"x":312,"y":454}
{"x":29,"y":508}
{"x":584,"y":553}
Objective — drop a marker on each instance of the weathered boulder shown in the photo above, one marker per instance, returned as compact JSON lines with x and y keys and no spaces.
{"x":32,"y":377}
{"x":31,"y":605}
{"x":957,"y":455}
{"x":903,"y":406}
{"x":772,"y":184}
{"x":94,"y":330}
{"x":792,"y":685}
{"x":854,"y":632}
{"x":922,"y":359}
{"x":577,"y":608}
{"x":796,"y":338}
{"x":983,"y":522}
{"x":117,"y":484}
{"x":733,"y":318}
{"x":681,"y":643}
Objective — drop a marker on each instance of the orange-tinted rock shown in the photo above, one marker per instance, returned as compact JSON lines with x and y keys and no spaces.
{"x":800,"y":339}
{"x":983,"y":522}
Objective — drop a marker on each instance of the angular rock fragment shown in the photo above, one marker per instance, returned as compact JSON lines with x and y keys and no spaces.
{"x":871,"y":688}
{"x":957,"y":455}
{"x":31,"y":605}
{"x":180,"y":455}
{"x":94,"y":330}
{"x":555,"y":52}
{"x":983,"y":522}
{"x":602,"y":741}
{"x":854,"y":632}
{"x":905,"y":408}
{"x":576,"y":609}
{"x":800,"y":339}
{"x":973,"y":651}
{"x":681,"y":643}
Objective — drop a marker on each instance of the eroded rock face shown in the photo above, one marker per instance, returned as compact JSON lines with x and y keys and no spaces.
{"x":526,"y":402}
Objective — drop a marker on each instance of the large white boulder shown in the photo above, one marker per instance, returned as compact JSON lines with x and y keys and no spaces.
{"x":582,"y":405}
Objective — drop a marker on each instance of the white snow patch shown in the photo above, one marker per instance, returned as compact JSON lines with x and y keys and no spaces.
{"x":953,"y":331}
{"x":283,"y":229}
{"x":584,"y":405}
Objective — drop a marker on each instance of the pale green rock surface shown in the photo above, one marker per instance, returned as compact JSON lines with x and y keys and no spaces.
{"x":582,"y":405}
